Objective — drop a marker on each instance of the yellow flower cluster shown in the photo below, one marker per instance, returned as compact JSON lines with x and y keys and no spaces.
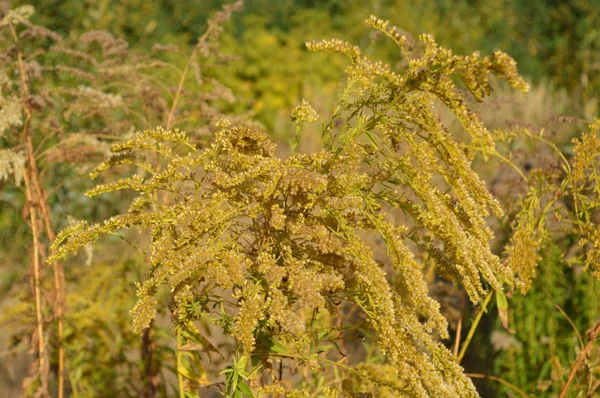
{"x":287,"y":236}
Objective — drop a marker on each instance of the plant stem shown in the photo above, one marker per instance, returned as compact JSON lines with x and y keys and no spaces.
{"x":36,"y":282}
{"x":499,"y":380}
{"x":150,"y":374}
{"x":593,"y":335}
{"x":179,"y":375}
{"x":186,"y":69}
{"x":482,"y":309}
{"x":34,"y":200}
{"x":459,"y":325}
{"x":57,"y":268}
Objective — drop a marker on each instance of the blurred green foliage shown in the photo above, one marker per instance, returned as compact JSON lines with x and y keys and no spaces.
{"x":559,"y":41}
{"x":538,"y":356}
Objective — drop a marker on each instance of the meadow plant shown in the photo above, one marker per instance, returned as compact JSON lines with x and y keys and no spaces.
{"x":264,"y":262}
{"x":263,"y":246}
{"x":553,"y":219}
{"x":61,"y":102}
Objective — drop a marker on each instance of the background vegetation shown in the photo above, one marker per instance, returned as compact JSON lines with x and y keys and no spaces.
{"x":100,"y":72}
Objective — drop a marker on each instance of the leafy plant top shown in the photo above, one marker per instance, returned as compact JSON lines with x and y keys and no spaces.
{"x":285,"y":238}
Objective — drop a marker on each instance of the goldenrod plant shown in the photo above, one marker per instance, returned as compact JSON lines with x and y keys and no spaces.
{"x":216,"y":261}
{"x":63,"y":101}
{"x":265,"y":248}
{"x":553,"y":250}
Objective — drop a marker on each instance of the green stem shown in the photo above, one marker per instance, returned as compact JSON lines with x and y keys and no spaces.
{"x":179,"y":364}
{"x":474,"y":325}
{"x":499,"y":380}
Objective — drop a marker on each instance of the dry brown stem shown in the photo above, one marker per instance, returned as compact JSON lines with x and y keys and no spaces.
{"x":37,"y":200}
{"x":592,"y":336}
